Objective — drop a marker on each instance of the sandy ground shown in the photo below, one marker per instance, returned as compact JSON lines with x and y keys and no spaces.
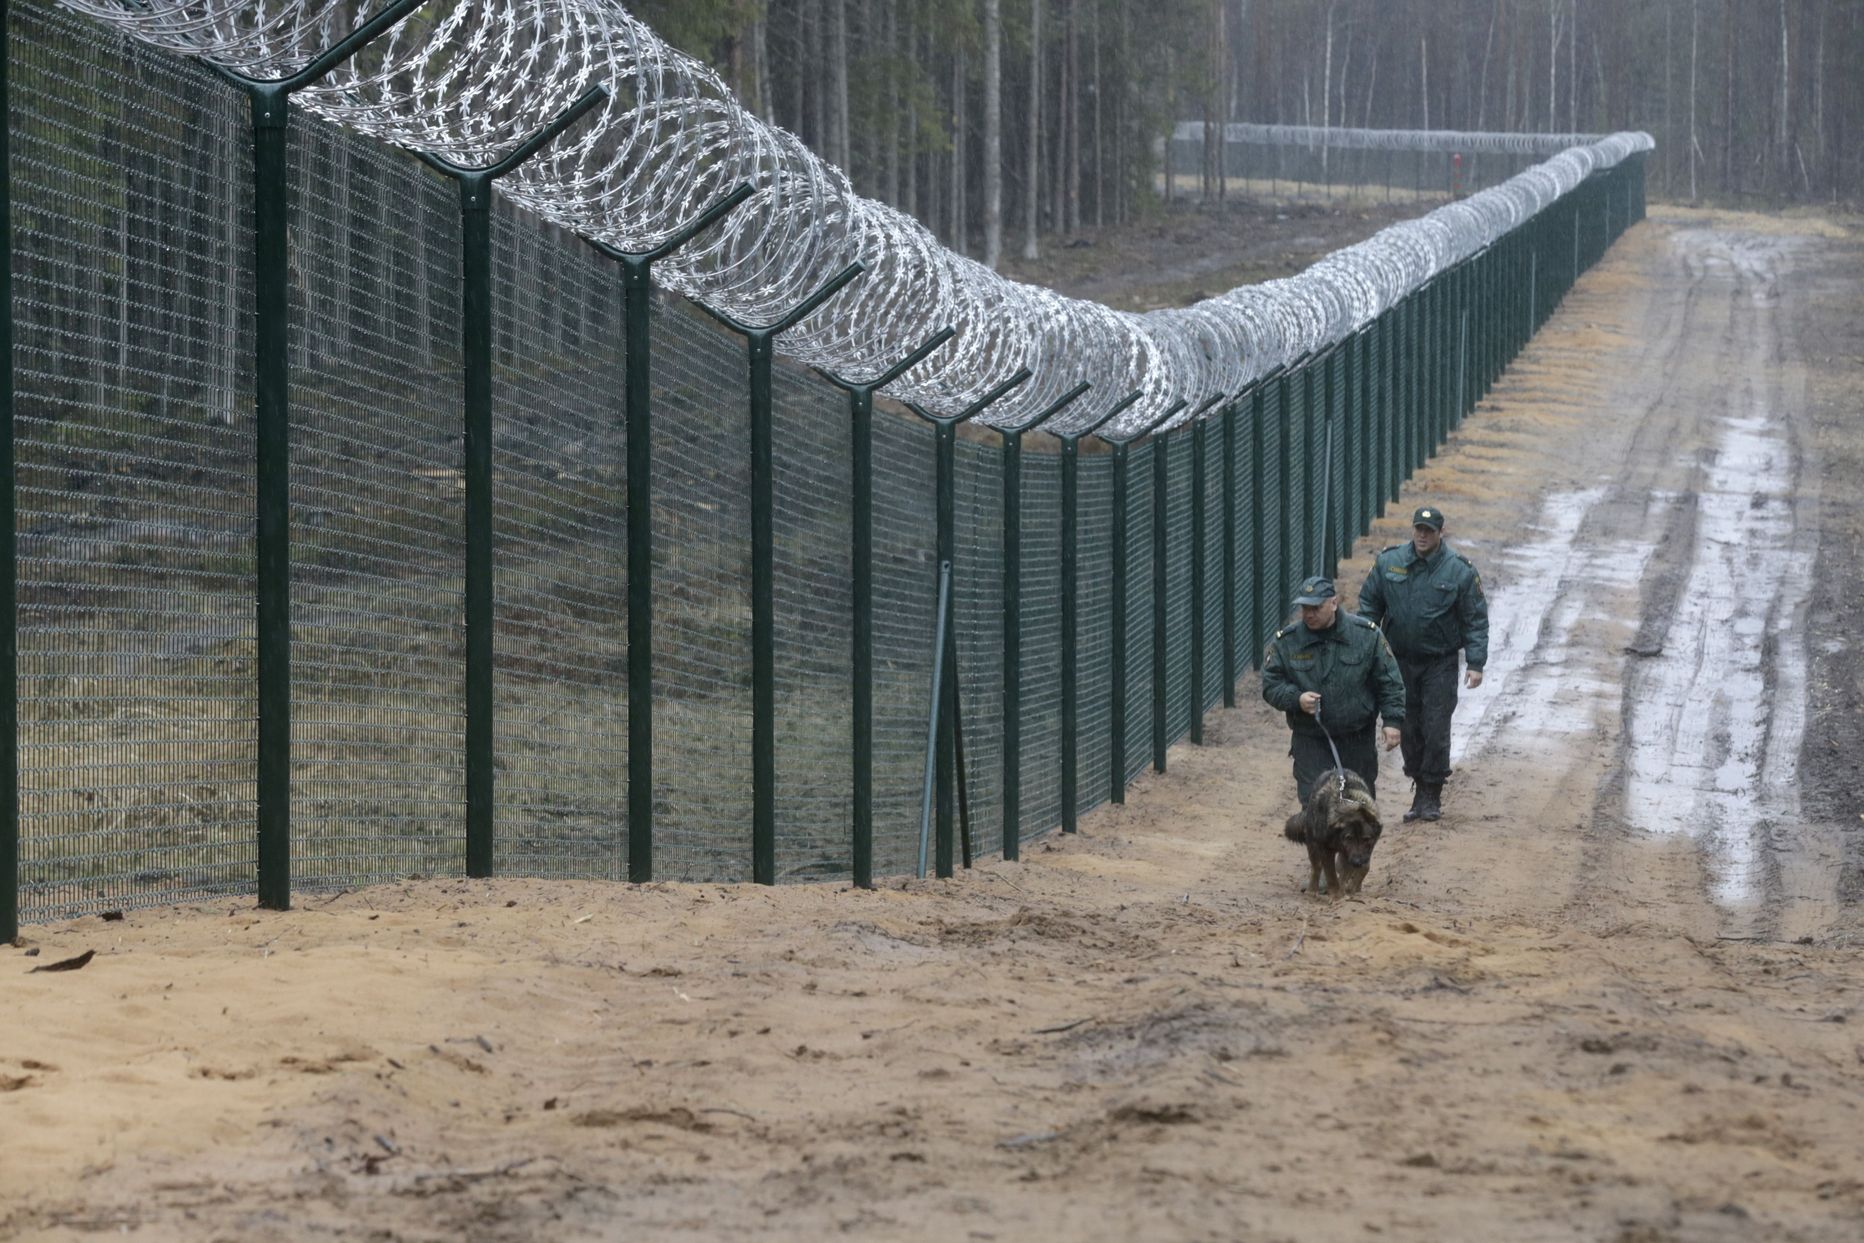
{"x":1614,"y":995}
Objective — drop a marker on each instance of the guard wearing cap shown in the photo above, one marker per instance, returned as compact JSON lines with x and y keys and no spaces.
{"x":1428,"y":599}
{"x":1333,"y":674}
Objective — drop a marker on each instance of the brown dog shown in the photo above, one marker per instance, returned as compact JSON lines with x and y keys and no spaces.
{"x":1340,"y":826}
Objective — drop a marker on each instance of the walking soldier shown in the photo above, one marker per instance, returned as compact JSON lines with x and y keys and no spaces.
{"x":1335,"y":663}
{"x":1428,"y":599}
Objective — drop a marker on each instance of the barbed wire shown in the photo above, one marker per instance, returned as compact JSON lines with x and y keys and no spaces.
{"x":472,"y":79}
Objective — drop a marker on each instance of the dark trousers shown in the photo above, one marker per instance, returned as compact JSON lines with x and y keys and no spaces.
{"x":1429,"y":701}
{"x":1359,"y":752}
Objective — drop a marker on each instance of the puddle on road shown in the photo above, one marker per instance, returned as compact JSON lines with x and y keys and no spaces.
{"x":1716,"y":720}
{"x":1543,"y":672}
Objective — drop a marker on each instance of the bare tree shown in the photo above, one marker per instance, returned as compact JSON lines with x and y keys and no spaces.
{"x":1032,"y":174}
{"x":993,"y":132}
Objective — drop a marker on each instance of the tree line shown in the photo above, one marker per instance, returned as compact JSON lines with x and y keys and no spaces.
{"x":994,"y":119}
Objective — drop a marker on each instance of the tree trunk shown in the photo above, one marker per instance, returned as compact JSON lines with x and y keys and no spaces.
{"x":890,"y":33}
{"x":993,"y":133}
{"x":1032,"y":186}
{"x":1074,"y":122}
{"x":1100,"y":169}
{"x":1695,"y":148}
{"x":838,"y":84}
{"x":959,"y":212}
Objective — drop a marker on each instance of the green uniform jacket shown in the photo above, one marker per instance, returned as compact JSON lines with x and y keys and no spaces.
{"x":1428,"y":607}
{"x":1349,"y":663}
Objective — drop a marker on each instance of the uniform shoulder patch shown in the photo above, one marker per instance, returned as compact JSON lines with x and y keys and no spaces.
{"x":1368,"y":624}
{"x":1283,"y":631}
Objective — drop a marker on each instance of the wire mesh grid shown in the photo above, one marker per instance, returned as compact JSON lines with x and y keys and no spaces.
{"x":378,"y":547}
{"x":977,"y":602}
{"x":1093,"y":667}
{"x":1178,"y":689}
{"x":1138,"y":518}
{"x":1211,"y":692}
{"x":1040,"y":642}
{"x":560,"y":713}
{"x":814,"y":642}
{"x":702,"y":599}
{"x":134,"y":474}
{"x":905,"y":612}
{"x":1274,"y":509}
{"x":1338,"y":489}
{"x":1246,"y":615}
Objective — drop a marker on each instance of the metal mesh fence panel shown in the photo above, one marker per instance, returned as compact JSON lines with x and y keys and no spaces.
{"x":1041,"y":642}
{"x":814,"y":644}
{"x":905,"y":612}
{"x":1212,"y":690}
{"x":977,"y":603}
{"x":1138,"y":518}
{"x":1274,"y":511}
{"x":1338,"y":488}
{"x":1295,"y":508}
{"x":1093,"y":630}
{"x":133,"y":427}
{"x":1178,"y":463}
{"x":1247,"y":547}
{"x":378,"y":547}
{"x":560,"y":713}
{"x":702,"y":600}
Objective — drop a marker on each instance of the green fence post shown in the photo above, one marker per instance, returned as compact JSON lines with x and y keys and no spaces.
{"x":1200,"y":450}
{"x":1161,"y":479}
{"x":944,"y":770}
{"x":637,"y":411}
{"x":475,"y":187}
{"x":9,"y":549}
{"x":1286,"y":525}
{"x":861,"y":451}
{"x":1229,"y":556}
{"x":1013,"y":617}
{"x":760,"y":344}
{"x":1116,"y":741}
{"x":1259,"y":511}
{"x":1070,"y":659}
{"x":271,"y":117}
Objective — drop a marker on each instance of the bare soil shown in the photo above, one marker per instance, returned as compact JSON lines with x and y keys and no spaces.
{"x":1613,"y":995}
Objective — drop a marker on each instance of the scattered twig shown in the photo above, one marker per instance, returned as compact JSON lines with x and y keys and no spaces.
{"x":497,"y":1171}
{"x":721,"y":1109}
{"x":1060,"y":1027}
{"x":1029,"y":1141}
{"x":68,"y":964}
{"x":1006,"y":880}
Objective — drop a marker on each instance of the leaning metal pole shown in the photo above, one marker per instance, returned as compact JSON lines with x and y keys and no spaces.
{"x":760,"y":342}
{"x":271,"y":117}
{"x":475,"y":187}
{"x":637,"y":409}
{"x":946,"y":743}
{"x":861,"y":431}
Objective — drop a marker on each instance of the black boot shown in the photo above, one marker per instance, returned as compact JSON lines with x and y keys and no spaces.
{"x":1430,"y":796}
{"x":1417,"y":803}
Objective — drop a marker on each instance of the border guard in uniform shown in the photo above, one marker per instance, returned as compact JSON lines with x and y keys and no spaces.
{"x":1428,"y":599}
{"x":1333,"y":674}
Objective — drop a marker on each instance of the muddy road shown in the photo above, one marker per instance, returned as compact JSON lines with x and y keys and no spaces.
{"x":1613,"y":995}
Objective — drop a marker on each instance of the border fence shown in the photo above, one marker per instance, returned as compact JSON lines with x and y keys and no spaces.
{"x":1314,"y":161}
{"x":363,"y":524}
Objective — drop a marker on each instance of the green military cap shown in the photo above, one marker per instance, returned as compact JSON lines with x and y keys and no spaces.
{"x":1427,"y":516}
{"x":1315,"y":590}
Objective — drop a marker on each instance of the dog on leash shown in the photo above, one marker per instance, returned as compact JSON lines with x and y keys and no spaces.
{"x":1339,"y":826}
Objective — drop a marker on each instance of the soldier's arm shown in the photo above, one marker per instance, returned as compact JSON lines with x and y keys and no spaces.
{"x":1473,"y":605}
{"x":1372,"y":596}
{"x":1277,"y":687}
{"x":1388,"y":683}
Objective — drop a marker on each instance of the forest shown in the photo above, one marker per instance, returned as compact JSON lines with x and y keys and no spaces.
{"x":995,"y":119}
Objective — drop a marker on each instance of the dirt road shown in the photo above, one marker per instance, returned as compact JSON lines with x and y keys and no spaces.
{"x":1614,"y":995}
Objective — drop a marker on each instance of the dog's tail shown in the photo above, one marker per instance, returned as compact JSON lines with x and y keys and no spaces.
{"x":1295,"y":830}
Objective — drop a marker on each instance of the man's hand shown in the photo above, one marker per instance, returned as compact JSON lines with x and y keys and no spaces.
{"x":1472,"y":678}
{"x":1310,"y":702}
{"x":1394,"y":736}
